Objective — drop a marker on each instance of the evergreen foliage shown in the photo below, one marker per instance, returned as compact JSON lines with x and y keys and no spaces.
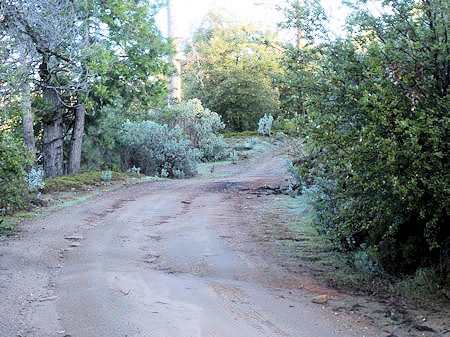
{"x":232,"y":68}
{"x":265,"y":125}
{"x":35,"y":179}
{"x":157,"y":150}
{"x":376,"y":135}
{"x":13,"y":185}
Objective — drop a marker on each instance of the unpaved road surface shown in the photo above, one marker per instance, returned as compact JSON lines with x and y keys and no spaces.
{"x":169,"y":258}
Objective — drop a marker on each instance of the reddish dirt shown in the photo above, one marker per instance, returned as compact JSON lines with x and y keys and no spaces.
{"x":169,"y":258}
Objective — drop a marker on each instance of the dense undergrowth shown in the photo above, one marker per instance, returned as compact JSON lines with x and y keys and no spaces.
{"x":375,"y":130}
{"x":343,"y":270}
{"x":14,"y":158}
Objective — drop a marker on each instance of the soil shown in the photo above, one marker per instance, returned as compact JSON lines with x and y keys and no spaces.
{"x":173,"y":258}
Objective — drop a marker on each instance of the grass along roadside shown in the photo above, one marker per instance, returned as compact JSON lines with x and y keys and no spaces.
{"x":83,"y":180}
{"x":409,"y":304}
{"x":347,"y":272}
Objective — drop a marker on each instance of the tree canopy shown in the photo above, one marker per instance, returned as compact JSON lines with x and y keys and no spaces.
{"x":232,"y":68}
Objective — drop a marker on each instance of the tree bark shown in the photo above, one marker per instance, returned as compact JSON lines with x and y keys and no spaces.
{"x":53,"y":145}
{"x":76,"y":141}
{"x":175,"y":79}
{"x":27,"y":121}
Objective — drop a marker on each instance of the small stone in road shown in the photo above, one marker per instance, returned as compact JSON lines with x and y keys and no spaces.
{"x":356,"y":307}
{"x":48,"y":298}
{"x":423,"y":328}
{"x":74,"y":237}
{"x":186,"y":202}
{"x":75,"y":244}
{"x":321,"y":299}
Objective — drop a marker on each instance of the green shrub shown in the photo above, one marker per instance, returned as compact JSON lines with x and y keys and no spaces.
{"x":241,"y":99}
{"x":13,"y":185}
{"x":157,"y":150}
{"x":376,"y":139}
{"x":134,"y":170}
{"x":106,"y":176}
{"x":234,"y":157}
{"x":265,"y":125}
{"x":101,"y":144}
{"x":233,"y":69}
{"x":35,"y":180}
{"x":426,"y":280}
{"x":200,"y":125}
{"x":287,"y":126}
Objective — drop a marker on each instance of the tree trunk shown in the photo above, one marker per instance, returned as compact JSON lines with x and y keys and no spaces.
{"x":53,"y":146}
{"x":27,"y":121}
{"x":175,"y":78}
{"x":77,"y":140}
{"x":299,"y":28}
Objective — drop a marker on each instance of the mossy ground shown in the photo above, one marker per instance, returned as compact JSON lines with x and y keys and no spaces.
{"x":80,"y":181}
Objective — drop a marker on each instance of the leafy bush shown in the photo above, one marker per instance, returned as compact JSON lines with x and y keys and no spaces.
{"x":106,"y":176}
{"x":101,"y":144}
{"x":234,"y":157}
{"x":376,"y":139}
{"x":200,"y":125}
{"x":233,"y":68}
{"x":241,"y":99}
{"x":426,"y":280}
{"x":265,"y":125}
{"x":35,"y":180}
{"x":157,"y":150}
{"x":250,"y":144}
{"x":287,"y":126}
{"x":13,"y":184}
{"x":134,"y":170}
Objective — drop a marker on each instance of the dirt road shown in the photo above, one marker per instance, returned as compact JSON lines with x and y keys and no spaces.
{"x":170,"y":258}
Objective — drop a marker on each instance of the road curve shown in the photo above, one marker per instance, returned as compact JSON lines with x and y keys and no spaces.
{"x":160,"y":259}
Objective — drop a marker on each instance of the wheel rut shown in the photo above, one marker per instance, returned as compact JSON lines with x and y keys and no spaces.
{"x":172,"y":258}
